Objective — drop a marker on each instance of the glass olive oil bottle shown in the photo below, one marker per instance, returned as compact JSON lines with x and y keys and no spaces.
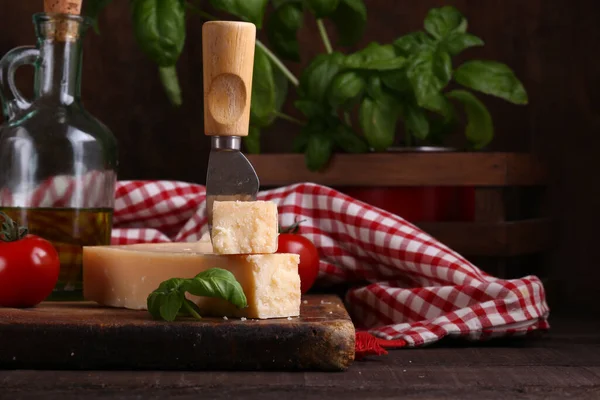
{"x":57,"y":162}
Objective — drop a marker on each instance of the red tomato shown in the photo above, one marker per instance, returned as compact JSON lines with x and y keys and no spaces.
{"x":29,"y":267}
{"x":309,"y":257}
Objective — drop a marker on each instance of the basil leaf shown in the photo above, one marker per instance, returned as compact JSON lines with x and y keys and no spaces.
{"x":171,"y":285}
{"x":440,"y":22}
{"x":281,"y":88}
{"x":492,"y":78}
{"x":322,"y":8}
{"x":153,"y":303}
{"x":159,"y":297}
{"x":167,"y":300}
{"x":171,"y":305}
{"x":346,"y":90}
{"x":262,"y":106}
{"x":248,"y":10}
{"x":424,"y":73}
{"x":282,"y":30}
{"x":422,"y":79}
{"x":170,"y":82}
{"x":413,"y":43}
{"x":159,"y":28}
{"x":93,"y":8}
{"x":374,"y":88}
{"x":375,"y":57}
{"x":415,"y":120}
{"x":396,"y":80}
{"x":457,"y":42}
{"x":348,"y":140}
{"x":442,"y":67}
{"x":442,"y":107}
{"x":444,"y":121}
{"x":309,"y":108}
{"x":350,"y":19}
{"x":252,"y":141}
{"x":480,"y":129}
{"x":269,"y":90}
{"x":378,"y":122}
{"x":219,"y":283}
{"x":316,"y":78}
{"x":319,"y":147}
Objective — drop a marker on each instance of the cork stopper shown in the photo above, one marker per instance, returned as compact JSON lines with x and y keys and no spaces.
{"x":63,"y":6}
{"x":65,"y":30}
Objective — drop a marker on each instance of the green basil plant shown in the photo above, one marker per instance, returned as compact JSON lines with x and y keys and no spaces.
{"x":380,"y":85}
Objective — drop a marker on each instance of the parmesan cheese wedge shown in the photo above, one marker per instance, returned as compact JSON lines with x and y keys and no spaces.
{"x":244,"y":227}
{"x":124,"y":276}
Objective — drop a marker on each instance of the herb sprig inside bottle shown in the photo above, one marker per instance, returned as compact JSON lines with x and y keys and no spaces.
{"x":168,"y":301}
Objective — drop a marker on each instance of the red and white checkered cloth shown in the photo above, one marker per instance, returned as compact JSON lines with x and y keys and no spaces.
{"x":407,"y":286}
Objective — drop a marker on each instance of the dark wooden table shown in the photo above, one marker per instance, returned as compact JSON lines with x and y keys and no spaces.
{"x":563,"y":364}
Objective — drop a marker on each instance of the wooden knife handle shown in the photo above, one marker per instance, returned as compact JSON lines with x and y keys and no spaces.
{"x":228,"y":62}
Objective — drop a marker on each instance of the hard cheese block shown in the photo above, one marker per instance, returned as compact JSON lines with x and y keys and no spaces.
{"x":244,"y":227}
{"x":123,"y":276}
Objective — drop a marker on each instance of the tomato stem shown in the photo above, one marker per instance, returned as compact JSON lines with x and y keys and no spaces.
{"x":11,"y":231}
{"x":294,"y":228}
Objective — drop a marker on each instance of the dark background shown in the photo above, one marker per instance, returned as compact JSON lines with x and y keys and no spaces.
{"x":551,"y":44}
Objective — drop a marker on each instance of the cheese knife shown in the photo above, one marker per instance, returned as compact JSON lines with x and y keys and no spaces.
{"x":228,"y":62}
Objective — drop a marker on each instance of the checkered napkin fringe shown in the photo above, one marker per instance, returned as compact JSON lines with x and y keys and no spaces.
{"x":405,"y":285}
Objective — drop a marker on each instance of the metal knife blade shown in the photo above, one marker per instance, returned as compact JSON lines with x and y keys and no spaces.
{"x":230,"y":175}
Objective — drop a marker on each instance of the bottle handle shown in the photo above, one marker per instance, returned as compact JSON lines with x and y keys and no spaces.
{"x":13,"y":101}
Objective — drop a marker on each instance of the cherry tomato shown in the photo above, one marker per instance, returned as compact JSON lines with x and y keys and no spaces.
{"x":309,"y":257}
{"x":29,"y":266}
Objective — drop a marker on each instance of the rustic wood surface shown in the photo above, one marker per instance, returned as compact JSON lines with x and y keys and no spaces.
{"x":563,"y":364}
{"x":404,"y":169}
{"x":489,"y":204}
{"x":87,"y":336}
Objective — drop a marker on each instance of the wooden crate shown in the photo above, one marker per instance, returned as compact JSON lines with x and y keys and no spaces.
{"x":511,"y":230}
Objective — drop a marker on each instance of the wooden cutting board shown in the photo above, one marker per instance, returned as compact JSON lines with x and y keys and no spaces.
{"x":83,"y":335}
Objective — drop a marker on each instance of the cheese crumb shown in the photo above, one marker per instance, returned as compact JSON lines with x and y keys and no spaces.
{"x":243,"y":318}
{"x":330,"y":312}
{"x":225,"y":318}
{"x":305,"y":301}
{"x":289,"y":318}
